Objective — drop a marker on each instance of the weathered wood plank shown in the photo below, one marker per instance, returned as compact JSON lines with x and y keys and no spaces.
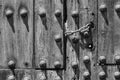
{"x":56,"y":43}
{"x":72,"y":41}
{"x":105,"y":35}
{"x":24,"y":33}
{"x":8,"y":27}
{"x":42,"y":31}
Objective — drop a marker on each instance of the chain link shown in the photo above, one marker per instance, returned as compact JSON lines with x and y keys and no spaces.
{"x":81,"y":29}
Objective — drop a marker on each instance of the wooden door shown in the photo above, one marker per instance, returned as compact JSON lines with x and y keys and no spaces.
{"x":34,"y":44}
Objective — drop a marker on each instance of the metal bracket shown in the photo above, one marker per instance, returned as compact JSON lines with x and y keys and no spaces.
{"x":86,"y":35}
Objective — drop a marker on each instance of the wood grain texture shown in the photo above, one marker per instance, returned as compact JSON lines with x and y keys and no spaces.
{"x":42,"y":33}
{"x":56,"y":53}
{"x":105,"y":37}
{"x":46,"y":28}
{"x":74,"y":52}
{"x":72,"y":48}
{"x":8,"y":37}
{"x":24,"y":37}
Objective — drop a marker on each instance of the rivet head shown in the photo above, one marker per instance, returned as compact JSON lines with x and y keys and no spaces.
{"x":42,"y":13}
{"x":42,"y":64}
{"x":117,"y":59}
{"x":74,"y":64}
{"x":86,"y":34}
{"x":117,"y":75}
{"x":102,"y":60}
{"x":11,"y":77}
{"x":86,"y":74}
{"x":23,"y":11}
{"x":57,"y":13}
{"x":58,"y":38}
{"x":75,"y":39}
{"x":8,"y":12}
{"x":117,"y":7}
{"x":57,"y":64}
{"x":57,"y":78}
{"x":102,"y":75}
{"x":103,"y":8}
{"x":75,"y":14}
{"x":86,"y":59}
{"x":11,"y":64}
{"x":27,"y":78}
{"x":42,"y":78}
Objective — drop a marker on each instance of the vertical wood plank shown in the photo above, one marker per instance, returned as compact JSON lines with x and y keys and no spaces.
{"x":105,"y":36}
{"x":2,"y":54}
{"x":88,"y":13}
{"x":42,"y":31}
{"x":116,"y":37}
{"x":56,"y":42}
{"x":9,"y":48}
{"x":24,"y":33}
{"x":72,"y":41}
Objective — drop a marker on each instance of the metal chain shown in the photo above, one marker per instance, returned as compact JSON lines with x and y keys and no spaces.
{"x":81,"y":29}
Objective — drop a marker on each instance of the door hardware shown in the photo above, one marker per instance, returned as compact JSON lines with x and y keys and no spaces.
{"x":103,"y":10}
{"x":12,"y":65}
{"x":9,"y":11}
{"x":42,"y":64}
{"x":11,"y":77}
{"x":117,"y":75}
{"x":24,"y":16}
{"x":86,"y":75}
{"x":102,"y":75}
{"x":58,"y":13}
{"x":102,"y":61}
{"x":86,"y":35}
{"x":76,"y":70}
{"x":57,"y":64}
{"x":86,"y":59}
{"x":79,"y":30}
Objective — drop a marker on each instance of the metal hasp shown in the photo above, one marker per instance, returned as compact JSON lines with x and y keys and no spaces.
{"x":86,"y":36}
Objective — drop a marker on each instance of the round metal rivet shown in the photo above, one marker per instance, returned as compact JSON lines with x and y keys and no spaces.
{"x":57,"y":13}
{"x":117,"y":59}
{"x":86,"y":34}
{"x":11,"y":64}
{"x":58,"y":38}
{"x":57,"y":78}
{"x":11,"y":77}
{"x":103,"y":8}
{"x":42,"y":13}
{"x":75,"y":14}
{"x":27,"y":78}
{"x":86,"y":59}
{"x":23,"y":11}
{"x":102,"y":75}
{"x":117,"y":7}
{"x":42,"y":63}
{"x":57,"y":64}
{"x":75,"y":39}
{"x":86,"y":74}
{"x":42,"y":78}
{"x":8,"y":12}
{"x":74,"y":64}
{"x":102,"y":59}
{"x":117,"y":75}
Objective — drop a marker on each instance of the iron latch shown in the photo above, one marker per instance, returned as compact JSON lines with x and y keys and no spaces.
{"x":86,"y":35}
